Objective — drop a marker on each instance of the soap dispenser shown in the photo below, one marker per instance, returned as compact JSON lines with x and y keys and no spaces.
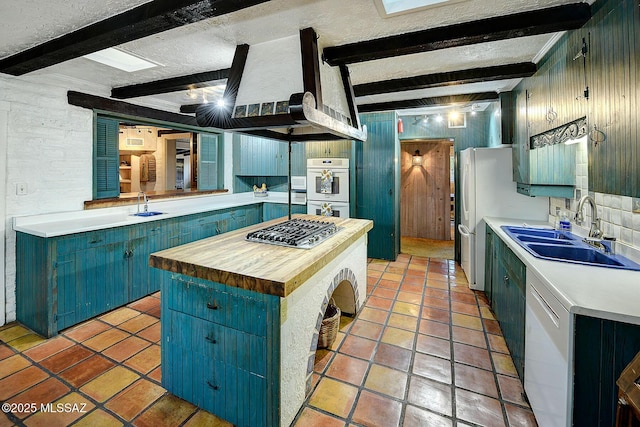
{"x":565,"y":223}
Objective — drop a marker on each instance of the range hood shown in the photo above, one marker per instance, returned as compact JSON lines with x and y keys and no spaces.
{"x":282,"y":90}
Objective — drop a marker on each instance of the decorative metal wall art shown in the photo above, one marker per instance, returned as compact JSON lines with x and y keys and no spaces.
{"x":572,"y":130}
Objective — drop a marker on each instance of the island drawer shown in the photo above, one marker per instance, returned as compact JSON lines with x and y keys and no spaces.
{"x":218,"y":368}
{"x":237,"y":308}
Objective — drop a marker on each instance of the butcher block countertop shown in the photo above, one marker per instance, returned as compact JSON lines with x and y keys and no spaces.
{"x":269,"y":269}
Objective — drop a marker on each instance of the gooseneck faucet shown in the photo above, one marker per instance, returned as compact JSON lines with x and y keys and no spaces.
{"x":595,"y":230}
{"x":146,"y":205}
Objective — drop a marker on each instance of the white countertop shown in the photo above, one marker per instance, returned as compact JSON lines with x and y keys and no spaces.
{"x":601,"y":292}
{"x":63,"y":223}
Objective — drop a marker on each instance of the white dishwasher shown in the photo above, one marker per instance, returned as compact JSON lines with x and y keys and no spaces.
{"x":547,"y":360}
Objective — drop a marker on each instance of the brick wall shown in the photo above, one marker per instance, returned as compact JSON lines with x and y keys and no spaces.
{"x":49,"y":147}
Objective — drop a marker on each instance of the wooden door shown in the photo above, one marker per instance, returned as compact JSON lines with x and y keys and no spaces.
{"x":425,"y":208}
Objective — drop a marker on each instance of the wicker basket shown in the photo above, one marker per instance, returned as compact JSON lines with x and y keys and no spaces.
{"x":330,"y":326}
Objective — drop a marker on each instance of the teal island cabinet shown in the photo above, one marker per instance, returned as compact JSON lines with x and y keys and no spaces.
{"x":64,"y":279}
{"x":240,"y":319}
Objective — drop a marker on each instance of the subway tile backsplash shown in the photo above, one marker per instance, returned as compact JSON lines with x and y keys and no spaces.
{"x":619,"y":215}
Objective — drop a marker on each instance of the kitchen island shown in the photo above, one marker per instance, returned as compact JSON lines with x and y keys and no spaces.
{"x":240,"y":319}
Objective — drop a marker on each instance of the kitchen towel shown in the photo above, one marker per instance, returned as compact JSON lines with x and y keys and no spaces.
{"x":326,"y":181}
{"x":147,"y":168}
{"x":326,"y":209}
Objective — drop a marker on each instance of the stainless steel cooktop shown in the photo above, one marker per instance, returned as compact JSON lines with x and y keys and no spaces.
{"x":296,"y":233}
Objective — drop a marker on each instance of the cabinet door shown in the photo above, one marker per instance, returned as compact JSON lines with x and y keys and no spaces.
{"x":209,"y":164}
{"x":490,"y":255}
{"x":521,"y":142}
{"x":207,"y":225}
{"x":298,"y":159}
{"x":102,"y":281}
{"x":256,"y":156}
{"x":137,"y":253}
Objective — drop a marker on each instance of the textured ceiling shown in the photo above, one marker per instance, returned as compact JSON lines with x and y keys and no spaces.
{"x":209,"y":45}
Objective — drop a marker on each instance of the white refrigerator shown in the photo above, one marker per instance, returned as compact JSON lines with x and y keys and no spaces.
{"x":487,"y":189}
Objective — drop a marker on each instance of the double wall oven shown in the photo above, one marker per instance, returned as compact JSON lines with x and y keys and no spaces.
{"x":328,"y":187}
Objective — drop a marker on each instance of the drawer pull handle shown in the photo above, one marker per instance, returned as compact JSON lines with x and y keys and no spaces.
{"x":211,"y":340}
{"x":212,"y":306}
{"x":506,"y":280}
{"x":213,"y":386}
{"x":95,"y":241}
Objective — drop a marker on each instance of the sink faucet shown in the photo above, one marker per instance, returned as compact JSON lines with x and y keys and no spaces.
{"x":146,"y":205}
{"x":594,"y":231}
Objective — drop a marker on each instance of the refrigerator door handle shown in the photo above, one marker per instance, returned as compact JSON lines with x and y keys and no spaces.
{"x":465,"y":190}
{"x":464,"y":230}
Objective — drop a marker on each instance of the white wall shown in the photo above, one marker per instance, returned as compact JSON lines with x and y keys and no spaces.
{"x":4,"y":112}
{"x":49,"y":147}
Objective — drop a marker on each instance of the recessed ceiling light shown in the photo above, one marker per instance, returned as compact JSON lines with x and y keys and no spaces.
{"x":121,"y":60}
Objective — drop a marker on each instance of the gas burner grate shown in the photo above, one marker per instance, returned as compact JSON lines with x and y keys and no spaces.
{"x":297,"y":233}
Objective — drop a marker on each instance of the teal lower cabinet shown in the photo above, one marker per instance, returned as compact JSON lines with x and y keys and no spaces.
{"x":221,"y":349}
{"x":64,"y":280}
{"x":602,"y":349}
{"x":278,"y":210}
{"x":507,"y":292}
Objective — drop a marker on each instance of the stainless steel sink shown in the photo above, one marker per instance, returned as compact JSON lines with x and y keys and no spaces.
{"x":150,"y":213}
{"x":564,"y":246}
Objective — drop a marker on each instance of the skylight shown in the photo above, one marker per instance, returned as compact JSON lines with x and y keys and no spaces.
{"x":396,"y":7}
{"x":121,"y":60}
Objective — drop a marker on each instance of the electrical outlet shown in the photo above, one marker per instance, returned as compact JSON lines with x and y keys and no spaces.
{"x":21,"y":188}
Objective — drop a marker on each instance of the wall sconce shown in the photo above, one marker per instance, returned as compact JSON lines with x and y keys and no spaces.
{"x":417,"y":159}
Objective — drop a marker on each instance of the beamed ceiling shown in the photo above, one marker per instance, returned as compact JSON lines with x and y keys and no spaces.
{"x":465,"y":52}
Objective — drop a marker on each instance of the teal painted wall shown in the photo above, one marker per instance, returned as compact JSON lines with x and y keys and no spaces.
{"x":476,"y":134}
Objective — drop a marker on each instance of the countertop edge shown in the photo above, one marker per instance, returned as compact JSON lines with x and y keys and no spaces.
{"x":622,"y":287}
{"x":58,"y":224}
{"x":281,"y":288}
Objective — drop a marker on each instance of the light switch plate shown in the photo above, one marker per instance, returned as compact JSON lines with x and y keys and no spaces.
{"x":21,"y":189}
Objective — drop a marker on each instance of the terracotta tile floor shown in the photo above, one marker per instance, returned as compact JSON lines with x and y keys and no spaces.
{"x":424,"y":351}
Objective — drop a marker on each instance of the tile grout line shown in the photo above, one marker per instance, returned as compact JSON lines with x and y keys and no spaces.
{"x":405,"y":402}
{"x":76,"y":389}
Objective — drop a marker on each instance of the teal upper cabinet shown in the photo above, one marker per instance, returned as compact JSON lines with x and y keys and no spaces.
{"x":545,"y":103}
{"x":106,"y":161}
{"x":613,"y":64}
{"x":602,"y":85}
{"x":329,"y":149}
{"x":256,"y":156}
{"x":547,"y":170}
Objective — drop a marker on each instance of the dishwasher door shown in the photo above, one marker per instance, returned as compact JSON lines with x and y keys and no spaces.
{"x":547,"y":368}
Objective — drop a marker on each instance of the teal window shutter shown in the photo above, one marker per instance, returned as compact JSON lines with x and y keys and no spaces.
{"x":209,"y":170}
{"x":106,"y":181}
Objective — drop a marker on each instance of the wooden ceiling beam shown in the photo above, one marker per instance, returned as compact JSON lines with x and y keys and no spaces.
{"x":541,"y":21}
{"x":143,"y":21}
{"x":474,"y":75}
{"x":174,"y":84}
{"x":428,"y":102}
